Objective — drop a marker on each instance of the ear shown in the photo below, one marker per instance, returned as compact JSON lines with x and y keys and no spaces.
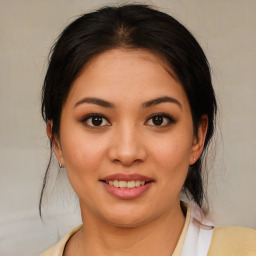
{"x":55,"y":142}
{"x":199,"y":139}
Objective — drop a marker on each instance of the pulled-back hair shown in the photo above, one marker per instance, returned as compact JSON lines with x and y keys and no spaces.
{"x":132,"y":27}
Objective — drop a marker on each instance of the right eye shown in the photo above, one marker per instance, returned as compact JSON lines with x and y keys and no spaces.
{"x":95,"y":120}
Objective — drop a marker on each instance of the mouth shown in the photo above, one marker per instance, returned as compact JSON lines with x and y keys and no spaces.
{"x":126,"y":184}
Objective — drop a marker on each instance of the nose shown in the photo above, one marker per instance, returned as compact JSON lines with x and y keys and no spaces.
{"x":127,"y":147}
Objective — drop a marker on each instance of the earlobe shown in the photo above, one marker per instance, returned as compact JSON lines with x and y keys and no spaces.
{"x":199,"y":139}
{"x":55,"y":142}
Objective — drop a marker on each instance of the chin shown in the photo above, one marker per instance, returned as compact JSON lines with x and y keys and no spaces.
{"x":127,"y":223}
{"x":127,"y":218}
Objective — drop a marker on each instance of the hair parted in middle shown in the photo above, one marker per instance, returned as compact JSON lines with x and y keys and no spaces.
{"x":132,"y":27}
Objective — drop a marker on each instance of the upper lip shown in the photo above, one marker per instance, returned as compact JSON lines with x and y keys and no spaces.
{"x":127,"y":177}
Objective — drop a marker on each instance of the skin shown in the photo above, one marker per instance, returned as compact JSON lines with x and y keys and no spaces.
{"x":127,"y":142}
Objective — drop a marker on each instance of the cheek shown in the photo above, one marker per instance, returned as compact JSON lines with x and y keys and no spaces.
{"x":171,"y":156}
{"x":82,"y":154}
{"x":83,"y":157}
{"x":173,"y":151}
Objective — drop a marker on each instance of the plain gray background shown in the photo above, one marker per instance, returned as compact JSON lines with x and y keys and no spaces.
{"x":226,"y":29}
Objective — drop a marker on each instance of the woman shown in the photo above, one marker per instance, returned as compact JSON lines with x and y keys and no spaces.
{"x":130,"y":111}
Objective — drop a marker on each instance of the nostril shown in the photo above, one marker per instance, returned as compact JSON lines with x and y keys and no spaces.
{"x":127,"y":162}
{"x":126,"y":154}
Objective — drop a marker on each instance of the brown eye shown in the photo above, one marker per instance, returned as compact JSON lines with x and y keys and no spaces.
{"x":95,"y":120}
{"x":157,"y":120}
{"x":161,"y":120}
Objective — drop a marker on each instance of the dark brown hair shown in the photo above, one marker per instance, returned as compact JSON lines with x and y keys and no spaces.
{"x":132,"y":27}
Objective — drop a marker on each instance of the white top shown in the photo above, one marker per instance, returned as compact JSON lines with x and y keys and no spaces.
{"x":199,"y":235}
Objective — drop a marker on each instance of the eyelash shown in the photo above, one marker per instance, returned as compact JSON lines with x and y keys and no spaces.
{"x":170,"y":120}
{"x":87,"y":117}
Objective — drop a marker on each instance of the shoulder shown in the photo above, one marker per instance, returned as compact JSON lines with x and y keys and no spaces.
{"x":58,"y":249}
{"x":233,"y":241}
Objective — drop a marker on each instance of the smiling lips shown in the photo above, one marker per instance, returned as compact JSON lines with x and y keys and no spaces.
{"x":127,"y":186}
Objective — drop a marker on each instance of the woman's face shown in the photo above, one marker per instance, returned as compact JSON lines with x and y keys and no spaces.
{"x":126,"y":138}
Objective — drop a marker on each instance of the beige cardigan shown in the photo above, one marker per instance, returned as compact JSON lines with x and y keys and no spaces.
{"x":226,"y":241}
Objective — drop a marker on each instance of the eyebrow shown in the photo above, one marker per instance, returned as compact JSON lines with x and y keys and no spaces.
{"x":95,"y":101}
{"x":146,"y":104}
{"x":160,"y":100}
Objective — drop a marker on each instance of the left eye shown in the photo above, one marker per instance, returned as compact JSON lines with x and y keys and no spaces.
{"x":96,"y":120}
{"x":160,"y":120}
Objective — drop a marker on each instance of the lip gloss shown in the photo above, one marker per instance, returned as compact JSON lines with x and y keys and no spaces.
{"x":127,"y":193}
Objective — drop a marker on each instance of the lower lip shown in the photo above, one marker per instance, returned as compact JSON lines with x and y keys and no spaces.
{"x":127,"y":193}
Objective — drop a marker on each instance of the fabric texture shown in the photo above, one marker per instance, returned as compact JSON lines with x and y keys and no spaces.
{"x":198,"y":235}
{"x":233,"y":241}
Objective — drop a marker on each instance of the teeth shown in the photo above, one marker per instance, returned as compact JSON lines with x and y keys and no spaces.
{"x":131,"y":184}
{"x":137,"y":183}
{"x":126,"y":184}
{"x":122,"y":184}
{"x":116,"y":183}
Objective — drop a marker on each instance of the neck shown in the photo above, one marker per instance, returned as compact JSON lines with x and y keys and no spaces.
{"x":157,"y":237}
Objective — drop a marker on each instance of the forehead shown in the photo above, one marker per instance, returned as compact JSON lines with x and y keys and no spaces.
{"x":121,"y":74}
{"x":119,"y":58}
